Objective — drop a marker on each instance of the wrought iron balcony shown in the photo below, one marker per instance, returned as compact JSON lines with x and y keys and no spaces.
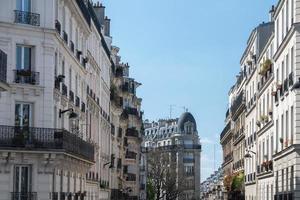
{"x":130,"y":177}
{"x":132,"y":111}
{"x":26,"y":77}
{"x":23,"y":196}
{"x":23,"y":17}
{"x":64,"y":90}
{"x":44,"y":139}
{"x":58,"y":27}
{"x":130,"y":155}
{"x":132,"y":132}
{"x":238,"y":103}
{"x":225,"y":130}
{"x":119,"y":72}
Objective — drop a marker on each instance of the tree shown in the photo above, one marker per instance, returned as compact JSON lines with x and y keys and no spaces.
{"x":150,"y":190}
{"x":167,"y":182}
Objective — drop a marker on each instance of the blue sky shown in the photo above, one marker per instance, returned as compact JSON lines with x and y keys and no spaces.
{"x":186,"y":53}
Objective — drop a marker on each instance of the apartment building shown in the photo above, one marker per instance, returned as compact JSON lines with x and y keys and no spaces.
{"x":270,"y":67}
{"x":179,"y":138}
{"x":57,"y":117}
{"x":212,"y":188}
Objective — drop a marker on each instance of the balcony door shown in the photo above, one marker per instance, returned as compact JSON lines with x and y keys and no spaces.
{"x":23,"y":58}
{"x":22,"y":183}
{"x":23,"y":115}
{"x":24,"y":5}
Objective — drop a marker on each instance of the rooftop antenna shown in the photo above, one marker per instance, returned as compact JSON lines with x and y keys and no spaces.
{"x":171,"y":110}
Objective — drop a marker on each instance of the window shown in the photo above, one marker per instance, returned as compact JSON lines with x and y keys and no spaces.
{"x":292,"y":178}
{"x":292,"y":59}
{"x":22,"y":180}
{"x":23,"y":114}
{"x":24,"y":5}
{"x":55,"y":64}
{"x":287,"y":127}
{"x":277,"y":136}
{"x":282,"y":129}
{"x":23,"y":57}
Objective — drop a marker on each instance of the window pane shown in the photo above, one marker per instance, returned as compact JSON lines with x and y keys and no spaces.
{"x":19,"y":57}
{"x":18,"y":115}
{"x":17,"y":177}
{"x":27,"y":58}
{"x":27,"y":5}
{"x":26,"y":115}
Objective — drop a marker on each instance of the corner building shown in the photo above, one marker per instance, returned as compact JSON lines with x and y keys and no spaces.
{"x":165,"y":135}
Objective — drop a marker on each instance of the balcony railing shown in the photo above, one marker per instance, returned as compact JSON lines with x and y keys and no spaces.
{"x":284,"y":196}
{"x":58,"y":27}
{"x":265,"y":167}
{"x":31,"y":138}
{"x":24,"y":17}
{"x":225,"y":130}
{"x":132,"y":132}
{"x":23,"y":196}
{"x":130,"y":155}
{"x":3,"y":66}
{"x":228,"y":157}
{"x":131,"y":111}
{"x":130,"y":177}
{"x":26,"y":77}
{"x":238,"y":165}
{"x":239,"y":101}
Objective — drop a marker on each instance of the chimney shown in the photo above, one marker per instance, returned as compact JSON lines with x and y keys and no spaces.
{"x":100,"y":12}
{"x":107,"y":27}
{"x":271,"y":13}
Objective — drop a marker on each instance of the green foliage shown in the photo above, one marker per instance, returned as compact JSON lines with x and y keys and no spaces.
{"x":237,"y":182}
{"x":150,"y":190}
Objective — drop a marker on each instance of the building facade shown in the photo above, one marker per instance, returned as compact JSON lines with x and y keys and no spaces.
{"x":165,"y":135}
{"x":270,"y":68}
{"x":58,"y":135}
{"x":212,"y":188}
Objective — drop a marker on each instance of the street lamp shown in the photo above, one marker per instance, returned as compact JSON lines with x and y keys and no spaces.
{"x":72,"y":114}
{"x":248,"y":155}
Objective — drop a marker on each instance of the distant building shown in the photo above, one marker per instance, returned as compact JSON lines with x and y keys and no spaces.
{"x":167,"y":134}
{"x":212,"y":188}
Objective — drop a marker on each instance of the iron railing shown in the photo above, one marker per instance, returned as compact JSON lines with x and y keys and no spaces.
{"x":239,"y":101}
{"x":3,"y":66}
{"x":24,"y":17}
{"x":130,"y":177}
{"x":26,"y":77}
{"x":132,"y":132}
{"x":32,"y":138}
{"x":23,"y":196}
{"x":130,"y":155}
{"x":58,"y":27}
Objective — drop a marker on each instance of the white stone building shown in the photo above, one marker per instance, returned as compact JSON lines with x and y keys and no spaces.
{"x":164,"y":135}
{"x":55,"y":108}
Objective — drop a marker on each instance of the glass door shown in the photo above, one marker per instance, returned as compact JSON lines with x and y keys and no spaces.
{"x":23,"y":115}
{"x":24,"y":5}
{"x":23,"y":64}
{"x":22,"y":183}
